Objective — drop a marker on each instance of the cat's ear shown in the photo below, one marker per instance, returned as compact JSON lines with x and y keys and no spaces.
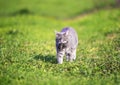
{"x":57,"y":33}
{"x":66,"y":33}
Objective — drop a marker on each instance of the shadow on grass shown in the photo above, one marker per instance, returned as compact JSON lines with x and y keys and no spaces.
{"x":46,"y":58}
{"x":22,"y":12}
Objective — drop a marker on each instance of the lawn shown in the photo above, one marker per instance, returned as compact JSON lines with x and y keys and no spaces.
{"x":27,"y":43}
{"x":61,"y":9}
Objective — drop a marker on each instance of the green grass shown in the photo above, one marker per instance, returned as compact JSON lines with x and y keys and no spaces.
{"x":51,"y":8}
{"x":27,"y":47}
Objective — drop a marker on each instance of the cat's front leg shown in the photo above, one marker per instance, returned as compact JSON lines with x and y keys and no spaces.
{"x":74,"y":54}
{"x":60,"y":56}
{"x":69,"y":57}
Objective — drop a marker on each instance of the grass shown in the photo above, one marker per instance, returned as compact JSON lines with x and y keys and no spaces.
{"x":27,"y":48}
{"x":51,"y":8}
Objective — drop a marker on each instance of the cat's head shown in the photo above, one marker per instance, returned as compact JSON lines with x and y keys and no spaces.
{"x":61,"y":39}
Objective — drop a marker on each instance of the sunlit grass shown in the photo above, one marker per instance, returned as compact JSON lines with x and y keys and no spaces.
{"x":28,"y":56}
{"x":52,"y":8}
{"x":27,"y":43}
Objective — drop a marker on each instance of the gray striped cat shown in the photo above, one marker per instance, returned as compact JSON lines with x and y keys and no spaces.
{"x":66,"y":44}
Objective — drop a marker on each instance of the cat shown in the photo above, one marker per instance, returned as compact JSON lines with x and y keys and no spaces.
{"x":66,"y":44}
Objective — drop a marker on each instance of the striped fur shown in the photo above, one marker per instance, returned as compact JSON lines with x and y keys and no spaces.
{"x":66,"y":44}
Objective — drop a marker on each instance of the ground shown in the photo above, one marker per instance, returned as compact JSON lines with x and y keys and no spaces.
{"x":27,"y":43}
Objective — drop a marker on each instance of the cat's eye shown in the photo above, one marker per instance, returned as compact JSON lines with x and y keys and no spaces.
{"x":57,"y":39}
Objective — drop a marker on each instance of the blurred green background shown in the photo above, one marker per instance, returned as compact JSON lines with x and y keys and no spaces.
{"x":27,"y":42}
{"x":53,"y":8}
